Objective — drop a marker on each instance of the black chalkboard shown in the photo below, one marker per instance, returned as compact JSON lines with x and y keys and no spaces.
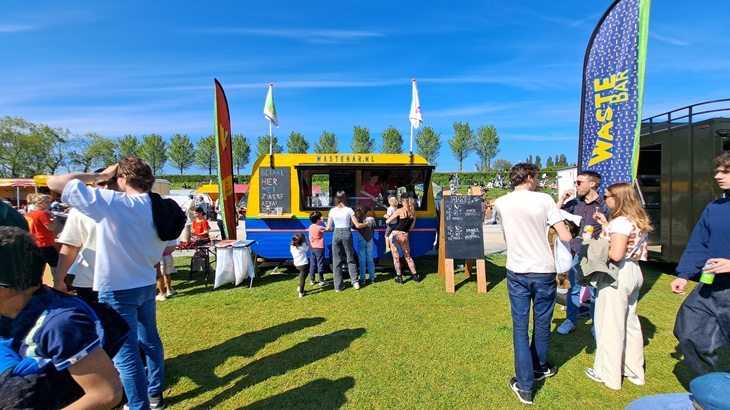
{"x":274,"y":188}
{"x":343,"y":180}
{"x":463,"y":236}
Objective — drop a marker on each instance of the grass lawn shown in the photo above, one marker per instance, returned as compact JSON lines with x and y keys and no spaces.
{"x":386,"y":346}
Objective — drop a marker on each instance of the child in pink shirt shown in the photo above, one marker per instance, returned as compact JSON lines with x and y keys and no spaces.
{"x":316,"y":241}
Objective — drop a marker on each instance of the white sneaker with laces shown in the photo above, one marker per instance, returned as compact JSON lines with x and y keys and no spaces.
{"x":160,"y":298}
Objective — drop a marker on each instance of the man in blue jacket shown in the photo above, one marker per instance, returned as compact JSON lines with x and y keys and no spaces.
{"x":703,"y":320}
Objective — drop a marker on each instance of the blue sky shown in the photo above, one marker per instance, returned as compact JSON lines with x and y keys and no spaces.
{"x":141,"y":67}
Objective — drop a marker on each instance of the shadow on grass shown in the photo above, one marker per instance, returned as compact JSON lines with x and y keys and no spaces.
{"x":206,"y":361}
{"x":652,"y":271}
{"x":320,"y":394}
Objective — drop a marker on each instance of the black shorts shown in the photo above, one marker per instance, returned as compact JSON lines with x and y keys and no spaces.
{"x":50,"y":254}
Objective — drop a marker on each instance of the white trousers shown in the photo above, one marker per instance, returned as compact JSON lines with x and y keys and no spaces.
{"x":620,"y":343}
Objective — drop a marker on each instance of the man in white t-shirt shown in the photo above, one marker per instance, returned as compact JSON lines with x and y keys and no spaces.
{"x":78,"y":251}
{"x":128,"y":248}
{"x":526,"y":217}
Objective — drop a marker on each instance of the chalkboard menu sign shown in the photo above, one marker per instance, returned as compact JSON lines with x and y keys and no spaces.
{"x":463,"y":234}
{"x":274,"y":188}
{"x":343,"y":180}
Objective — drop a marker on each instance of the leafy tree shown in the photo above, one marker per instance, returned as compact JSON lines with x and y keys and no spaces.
{"x":58,"y":154}
{"x":241,"y":152}
{"x":361,"y":141}
{"x":392,"y":141}
{"x":128,"y":146}
{"x":561,"y":160}
{"x":181,"y":152}
{"x":153,"y":151}
{"x":327,"y":144}
{"x":206,"y":154}
{"x":262,"y":146}
{"x":538,"y":161}
{"x":487,"y":142}
{"x":16,"y":145}
{"x":428,"y":144}
{"x":297,"y":144}
{"x":462,"y":142}
{"x":502,"y":165}
{"x":550,"y":163}
{"x":529,"y":159}
{"x":92,"y":151}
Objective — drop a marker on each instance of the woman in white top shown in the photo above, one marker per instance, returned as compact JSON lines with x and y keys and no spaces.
{"x":619,"y":341}
{"x":342,"y":217}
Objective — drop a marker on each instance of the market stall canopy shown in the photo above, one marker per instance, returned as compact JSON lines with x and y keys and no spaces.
{"x":212,"y":190}
{"x":16,"y":182}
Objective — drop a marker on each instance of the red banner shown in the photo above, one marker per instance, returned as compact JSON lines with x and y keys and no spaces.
{"x":226,"y":199}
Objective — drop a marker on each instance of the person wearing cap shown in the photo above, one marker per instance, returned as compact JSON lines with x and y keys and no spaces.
{"x":125,"y":274}
{"x":708,"y":392}
{"x":42,"y":225}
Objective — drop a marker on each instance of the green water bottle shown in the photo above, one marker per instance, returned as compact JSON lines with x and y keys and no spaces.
{"x":707,"y":277}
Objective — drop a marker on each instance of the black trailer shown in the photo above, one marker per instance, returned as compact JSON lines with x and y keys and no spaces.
{"x":676,"y":176}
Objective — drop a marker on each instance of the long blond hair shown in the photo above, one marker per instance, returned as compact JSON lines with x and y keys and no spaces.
{"x":627,"y":204}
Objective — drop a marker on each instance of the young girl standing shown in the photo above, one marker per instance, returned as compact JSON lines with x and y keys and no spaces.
{"x":298,"y":249}
{"x":392,"y":207}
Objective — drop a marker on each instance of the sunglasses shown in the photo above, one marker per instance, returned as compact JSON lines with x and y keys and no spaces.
{"x":579,"y":183}
{"x":607,"y":196}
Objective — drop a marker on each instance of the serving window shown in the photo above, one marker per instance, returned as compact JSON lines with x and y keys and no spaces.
{"x":318,"y":185}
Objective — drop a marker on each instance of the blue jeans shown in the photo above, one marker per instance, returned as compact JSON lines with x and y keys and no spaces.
{"x":539,"y":290}
{"x":137,"y":307}
{"x":316,"y":263}
{"x":572,"y":302}
{"x":365,"y":255}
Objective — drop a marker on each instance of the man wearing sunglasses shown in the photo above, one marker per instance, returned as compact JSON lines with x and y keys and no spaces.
{"x":584,"y":201}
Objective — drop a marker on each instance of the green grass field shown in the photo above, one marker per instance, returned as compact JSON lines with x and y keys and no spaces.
{"x":386,"y":346}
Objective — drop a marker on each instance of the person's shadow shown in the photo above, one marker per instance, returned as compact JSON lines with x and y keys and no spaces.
{"x":320,"y":394}
{"x":205,"y":362}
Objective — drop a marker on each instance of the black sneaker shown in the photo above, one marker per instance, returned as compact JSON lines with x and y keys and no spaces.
{"x":398,"y":279}
{"x":524,"y":396}
{"x":156,"y":402}
{"x":548,"y":371}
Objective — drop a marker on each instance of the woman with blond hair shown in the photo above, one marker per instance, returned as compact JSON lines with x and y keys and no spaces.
{"x":405,"y":218}
{"x":42,"y":225}
{"x":620,"y":343}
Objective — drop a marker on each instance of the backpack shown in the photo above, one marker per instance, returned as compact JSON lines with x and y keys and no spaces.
{"x":168,"y":217}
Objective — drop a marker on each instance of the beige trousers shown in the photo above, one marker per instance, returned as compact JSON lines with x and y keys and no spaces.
{"x":620,"y":343}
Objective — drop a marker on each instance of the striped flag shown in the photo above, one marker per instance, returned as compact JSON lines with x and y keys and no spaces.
{"x":269,"y":108}
{"x":415,"y":116}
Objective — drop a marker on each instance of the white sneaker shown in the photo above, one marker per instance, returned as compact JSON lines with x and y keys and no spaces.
{"x":170,"y":292}
{"x":160,"y":298}
{"x":356,"y":285}
{"x":311,"y":282}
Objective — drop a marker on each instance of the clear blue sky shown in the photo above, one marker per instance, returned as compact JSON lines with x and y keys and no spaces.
{"x":141,"y":67}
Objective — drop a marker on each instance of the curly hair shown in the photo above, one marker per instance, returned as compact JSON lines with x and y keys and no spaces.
{"x":519,"y":173}
{"x":627,"y":204}
{"x":22,"y":261}
{"x":139,"y":174}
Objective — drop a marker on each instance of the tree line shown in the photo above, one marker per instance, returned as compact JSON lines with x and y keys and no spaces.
{"x":28,"y":149}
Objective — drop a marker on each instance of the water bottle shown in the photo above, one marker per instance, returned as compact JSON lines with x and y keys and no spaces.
{"x":706,"y":277}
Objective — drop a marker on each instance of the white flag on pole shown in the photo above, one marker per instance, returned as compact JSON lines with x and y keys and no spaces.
{"x":415,"y":116}
{"x":269,"y":108}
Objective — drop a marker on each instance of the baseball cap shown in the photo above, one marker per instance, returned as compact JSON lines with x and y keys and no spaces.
{"x":712,"y":391}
